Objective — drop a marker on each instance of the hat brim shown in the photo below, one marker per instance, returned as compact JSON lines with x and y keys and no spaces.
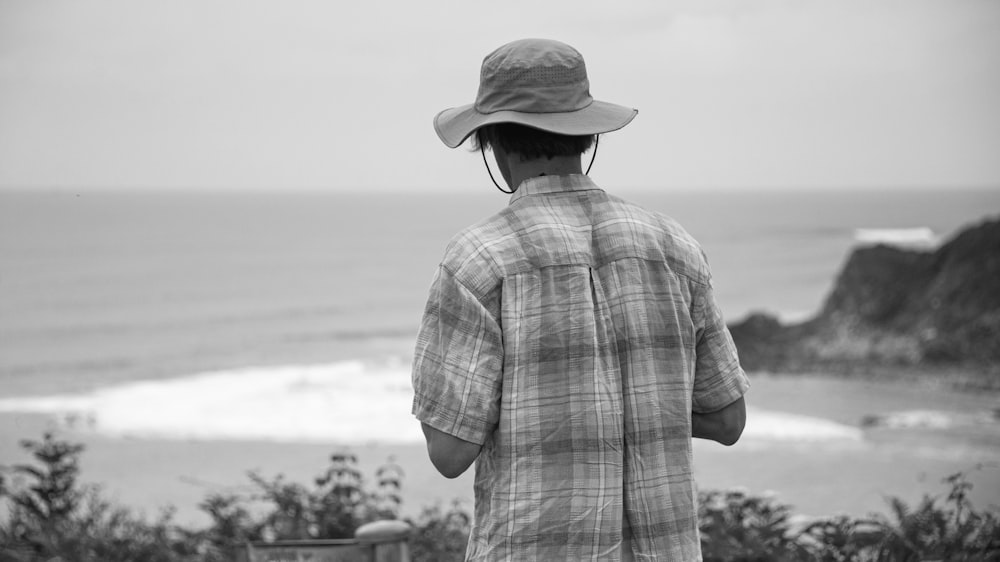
{"x":455,"y":125}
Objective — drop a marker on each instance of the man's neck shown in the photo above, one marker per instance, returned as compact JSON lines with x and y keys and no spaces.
{"x":555,"y":166}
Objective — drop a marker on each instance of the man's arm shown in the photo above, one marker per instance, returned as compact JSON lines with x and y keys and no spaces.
{"x":724,"y":426}
{"x":449,"y":454}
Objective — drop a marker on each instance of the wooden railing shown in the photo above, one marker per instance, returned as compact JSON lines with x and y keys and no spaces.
{"x":379,"y":541}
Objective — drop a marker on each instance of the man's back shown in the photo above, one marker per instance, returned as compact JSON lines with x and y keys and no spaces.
{"x":572,"y":334}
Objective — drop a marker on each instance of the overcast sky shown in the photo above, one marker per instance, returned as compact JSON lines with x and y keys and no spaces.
{"x":331,"y":95}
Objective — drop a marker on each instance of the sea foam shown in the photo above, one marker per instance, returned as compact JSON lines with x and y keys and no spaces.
{"x":351,"y":402}
{"x":915,"y":238}
{"x":782,"y":426}
{"x":346,"y":402}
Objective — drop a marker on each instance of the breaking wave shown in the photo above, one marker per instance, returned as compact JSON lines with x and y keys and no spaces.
{"x":933,"y":419}
{"x":917,"y":238}
{"x":352,"y":402}
{"x":781,"y":426}
{"x":346,"y":402}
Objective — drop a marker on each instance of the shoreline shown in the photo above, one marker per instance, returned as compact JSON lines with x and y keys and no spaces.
{"x":816,"y":478}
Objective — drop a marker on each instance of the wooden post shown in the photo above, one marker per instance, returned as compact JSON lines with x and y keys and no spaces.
{"x":388,"y":539}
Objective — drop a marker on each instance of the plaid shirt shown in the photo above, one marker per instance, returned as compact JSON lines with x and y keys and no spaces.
{"x":572,"y":334}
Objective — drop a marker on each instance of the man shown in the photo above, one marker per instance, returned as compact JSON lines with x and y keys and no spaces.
{"x":571,"y":345}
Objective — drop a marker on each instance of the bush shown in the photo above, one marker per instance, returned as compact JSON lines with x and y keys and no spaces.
{"x":333,"y":508}
{"x":839,"y":539}
{"x":737,"y":526}
{"x":440,"y":535}
{"x":954,"y":531}
{"x":51,"y":516}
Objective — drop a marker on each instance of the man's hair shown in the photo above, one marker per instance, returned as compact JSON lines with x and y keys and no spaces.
{"x":530,"y":143}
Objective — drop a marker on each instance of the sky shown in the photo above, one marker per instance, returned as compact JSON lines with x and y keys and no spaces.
{"x":318,"y":94}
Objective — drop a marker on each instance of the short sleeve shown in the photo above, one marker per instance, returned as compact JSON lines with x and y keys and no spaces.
{"x":719,"y":380}
{"x":458,"y":362}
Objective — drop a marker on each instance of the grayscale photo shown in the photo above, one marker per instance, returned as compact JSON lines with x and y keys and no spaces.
{"x":549,"y":281}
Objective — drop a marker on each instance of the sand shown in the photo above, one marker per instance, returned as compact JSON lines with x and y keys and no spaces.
{"x":816,"y":478}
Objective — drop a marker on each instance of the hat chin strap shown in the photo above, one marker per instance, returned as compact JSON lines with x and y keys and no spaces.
{"x":490,"y":172}
{"x":597,"y":139}
{"x":482,"y":151}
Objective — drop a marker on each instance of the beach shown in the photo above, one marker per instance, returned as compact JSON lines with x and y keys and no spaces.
{"x":811,"y":453}
{"x":188,"y":338}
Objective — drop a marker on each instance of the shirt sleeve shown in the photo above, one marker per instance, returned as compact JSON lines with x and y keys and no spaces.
{"x":458,"y":362}
{"x":719,"y":380}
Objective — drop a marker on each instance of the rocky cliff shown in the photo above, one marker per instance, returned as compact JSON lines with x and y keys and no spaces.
{"x":894,"y":308}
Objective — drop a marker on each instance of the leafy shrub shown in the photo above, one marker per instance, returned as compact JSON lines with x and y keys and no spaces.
{"x":839,"y":538}
{"x":440,"y":535}
{"x":333,"y":508}
{"x":737,"y":526}
{"x":954,"y":531}
{"x":52,"y":517}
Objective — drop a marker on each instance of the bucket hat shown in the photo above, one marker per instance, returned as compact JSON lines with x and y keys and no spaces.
{"x":539,"y":83}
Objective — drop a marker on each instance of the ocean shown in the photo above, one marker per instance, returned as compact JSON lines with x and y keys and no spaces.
{"x":181,"y":333}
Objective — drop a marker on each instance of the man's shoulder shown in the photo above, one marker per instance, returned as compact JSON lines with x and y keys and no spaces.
{"x":469,"y":256}
{"x":662,"y":221}
{"x":476,"y":238}
{"x":666,"y":234}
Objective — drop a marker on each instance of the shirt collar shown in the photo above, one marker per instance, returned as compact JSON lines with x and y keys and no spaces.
{"x":542,"y":185}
